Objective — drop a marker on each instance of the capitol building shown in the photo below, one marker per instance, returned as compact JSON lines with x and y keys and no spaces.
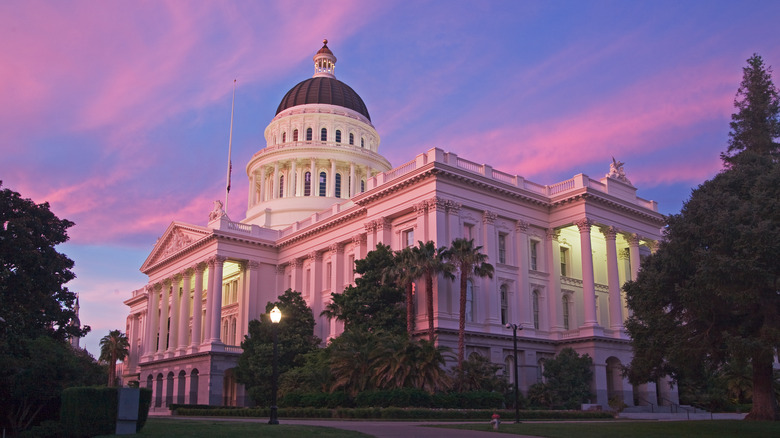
{"x":321,"y":195}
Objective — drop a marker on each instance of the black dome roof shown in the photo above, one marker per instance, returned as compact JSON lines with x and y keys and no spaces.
{"x":325,"y":90}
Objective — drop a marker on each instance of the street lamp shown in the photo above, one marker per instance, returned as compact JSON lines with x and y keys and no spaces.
{"x":515,"y":328}
{"x":276,"y":316}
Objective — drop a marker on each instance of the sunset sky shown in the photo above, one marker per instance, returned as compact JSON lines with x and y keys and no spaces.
{"x":117,"y":113}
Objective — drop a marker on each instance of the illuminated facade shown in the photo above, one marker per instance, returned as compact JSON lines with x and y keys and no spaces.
{"x":321,"y":196}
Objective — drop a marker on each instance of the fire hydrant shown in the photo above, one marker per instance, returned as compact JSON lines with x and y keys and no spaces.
{"x":495,"y":421}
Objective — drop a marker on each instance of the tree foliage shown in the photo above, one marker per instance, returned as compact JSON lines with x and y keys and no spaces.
{"x":709,"y":296}
{"x":113,"y":347}
{"x":375,"y":303}
{"x":295,"y":338}
{"x":431,"y":261}
{"x":567,"y":381}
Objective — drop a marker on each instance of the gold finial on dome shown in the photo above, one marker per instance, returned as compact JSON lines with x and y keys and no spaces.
{"x":325,"y":41}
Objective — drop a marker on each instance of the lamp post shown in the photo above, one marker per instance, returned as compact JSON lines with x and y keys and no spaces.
{"x":515,"y":328}
{"x":276,"y":316}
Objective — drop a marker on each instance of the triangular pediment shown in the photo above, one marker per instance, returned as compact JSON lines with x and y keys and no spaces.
{"x":177,"y":237}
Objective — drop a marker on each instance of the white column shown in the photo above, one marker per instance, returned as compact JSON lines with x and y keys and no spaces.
{"x":252,"y":190}
{"x":352,"y":182}
{"x":454,"y":228}
{"x":613,"y":279}
{"x":197,"y":308}
{"x":261,"y":192}
{"x":370,"y":236}
{"x":314,"y":183}
{"x":175,"y":306}
{"x":166,"y":296}
{"x":132,"y":338}
{"x":292,"y":184}
{"x":489,"y":248}
{"x":331,"y":191}
{"x":184,"y":311}
{"x":215,"y":293}
{"x":275,"y":185}
{"x":149,"y":346}
{"x":421,"y":225}
{"x":522,"y":299}
{"x":633,"y":252}
{"x":552,"y":266}
{"x":588,"y":285}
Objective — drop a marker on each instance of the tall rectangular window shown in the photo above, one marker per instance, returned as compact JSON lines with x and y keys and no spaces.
{"x":329,"y":276}
{"x":501,"y":248}
{"x":534,"y":255}
{"x":564,"y":262}
{"x":323,"y":183}
{"x":504,"y":305}
{"x":535,"y":304}
{"x":468,"y":231}
{"x":338,"y":185}
{"x":408,"y":237}
{"x":469,"y":301}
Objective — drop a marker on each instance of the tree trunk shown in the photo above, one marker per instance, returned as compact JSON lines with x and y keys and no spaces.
{"x":410,"y":308}
{"x":764,"y":402}
{"x":462,"y":320}
{"x":429,"y":296}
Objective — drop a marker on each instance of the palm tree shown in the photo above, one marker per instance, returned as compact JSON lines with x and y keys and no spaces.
{"x":404,"y":272}
{"x":113,"y":347}
{"x":431,"y":262}
{"x":429,"y":374}
{"x":469,"y":262}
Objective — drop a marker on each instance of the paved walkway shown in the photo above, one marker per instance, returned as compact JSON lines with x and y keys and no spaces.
{"x":378,"y":429}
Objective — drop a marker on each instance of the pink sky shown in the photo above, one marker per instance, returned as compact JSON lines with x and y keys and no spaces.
{"x":117,"y":113}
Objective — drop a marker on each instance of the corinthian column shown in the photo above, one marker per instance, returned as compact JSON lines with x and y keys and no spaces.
{"x":613,"y":279}
{"x":588,"y":284}
{"x":215,"y":294}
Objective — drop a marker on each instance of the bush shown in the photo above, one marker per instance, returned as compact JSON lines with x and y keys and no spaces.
{"x":405,"y":397}
{"x":89,"y":411}
{"x":144,"y":403}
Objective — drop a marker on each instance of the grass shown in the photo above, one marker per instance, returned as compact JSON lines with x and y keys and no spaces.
{"x":160,"y":427}
{"x":637,"y":429}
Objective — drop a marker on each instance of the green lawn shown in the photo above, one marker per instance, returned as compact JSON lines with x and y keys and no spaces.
{"x":642,"y":429}
{"x":163,"y":427}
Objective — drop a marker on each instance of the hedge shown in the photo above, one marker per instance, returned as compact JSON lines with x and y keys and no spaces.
{"x":90,"y":411}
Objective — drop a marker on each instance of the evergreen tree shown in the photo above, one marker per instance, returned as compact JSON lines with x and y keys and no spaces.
{"x":709,"y":295}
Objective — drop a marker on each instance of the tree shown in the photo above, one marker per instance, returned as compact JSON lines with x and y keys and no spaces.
{"x":479,"y":374}
{"x":295,"y":339}
{"x":567,"y":379}
{"x":708,"y":296}
{"x":375,"y":303}
{"x":431,"y":261}
{"x":33,"y":299}
{"x":755,"y":126}
{"x":404,"y":272}
{"x":113,"y":347}
{"x":468,"y":262}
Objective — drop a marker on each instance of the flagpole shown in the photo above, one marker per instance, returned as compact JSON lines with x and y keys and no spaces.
{"x":230,"y":147}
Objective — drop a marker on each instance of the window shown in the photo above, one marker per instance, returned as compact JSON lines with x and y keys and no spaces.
{"x":408,"y":238}
{"x":508,"y":371}
{"x":351,"y":138}
{"x":281,"y":186}
{"x":566,"y":315}
{"x":323,"y":183}
{"x":534,"y":255}
{"x":284,"y":137}
{"x":329,"y":276}
{"x":502,"y":248}
{"x":307,"y":184}
{"x":564,"y":261}
{"x":362,"y":185}
{"x":468,"y":231}
{"x":535,"y":305}
{"x":362,"y":142}
{"x":504,"y":305}
{"x":308,"y":134}
{"x":338,"y":185}
{"x":323,"y":134}
{"x":469,"y":301}
{"x":338,"y":136}
{"x":295,"y":135}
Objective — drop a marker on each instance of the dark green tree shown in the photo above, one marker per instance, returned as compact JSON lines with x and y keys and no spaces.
{"x":477,"y":373}
{"x":469,"y":262}
{"x":709,"y":295}
{"x":404,"y":272}
{"x":375,"y":303}
{"x":295,"y":339}
{"x":567,"y":379}
{"x":113,"y":347}
{"x":431,"y":261}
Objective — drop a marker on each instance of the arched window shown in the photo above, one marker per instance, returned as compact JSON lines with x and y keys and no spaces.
{"x":323,"y":183}
{"x":362,"y":142}
{"x":323,"y":134}
{"x":351,"y":138}
{"x":362,"y":185}
{"x":233,"y":332}
{"x":308,"y":134}
{"x":469,"y":301}
{"x":535,"y":304}
{"x":295,"y":135}
{"x":338,"y":185}
{"x":284,"y":137}
{"x":565,"y":304}
{"x":194,"y":387}
{"x":504,"y":305}
{"x":338,"y":136}
{"x":281,"y":186}
{"x":307,"y":184}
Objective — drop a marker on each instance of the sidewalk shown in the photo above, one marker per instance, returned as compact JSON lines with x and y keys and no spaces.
{"x":378,"y":429}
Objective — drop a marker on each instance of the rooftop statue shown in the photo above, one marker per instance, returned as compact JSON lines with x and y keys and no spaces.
{"x":616,"y":171}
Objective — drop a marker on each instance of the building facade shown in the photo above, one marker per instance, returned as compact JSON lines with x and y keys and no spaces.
{"x":321,"y":196}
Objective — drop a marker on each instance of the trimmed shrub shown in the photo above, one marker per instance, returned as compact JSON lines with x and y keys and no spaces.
{"x":404,"y":397}
{"x":144,"y":403}
{"x":89,"y":411}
